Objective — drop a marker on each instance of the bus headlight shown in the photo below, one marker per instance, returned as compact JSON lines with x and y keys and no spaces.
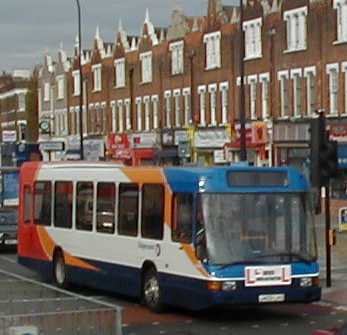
{"x":229,"y":286}
{"x":306,"y":282}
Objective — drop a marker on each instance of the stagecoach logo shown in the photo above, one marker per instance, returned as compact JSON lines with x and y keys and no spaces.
{"x":268,"y":276}
{"x":150,"y":247}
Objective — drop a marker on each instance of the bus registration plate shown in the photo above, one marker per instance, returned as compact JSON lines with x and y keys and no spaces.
{"x":268,"y":298}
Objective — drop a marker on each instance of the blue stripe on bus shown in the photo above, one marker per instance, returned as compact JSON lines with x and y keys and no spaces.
{"x":187,"y":179}
{"x":177,"y":290}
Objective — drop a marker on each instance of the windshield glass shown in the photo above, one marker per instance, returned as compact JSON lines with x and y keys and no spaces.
{"x":267,"y":227}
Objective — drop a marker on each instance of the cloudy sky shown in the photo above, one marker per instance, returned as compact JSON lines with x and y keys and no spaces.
{"x":29,"y":28}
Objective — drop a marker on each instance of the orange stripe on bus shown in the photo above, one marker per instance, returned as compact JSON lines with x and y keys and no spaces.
{"x":189,"y":250}
{"x":49,"y":245}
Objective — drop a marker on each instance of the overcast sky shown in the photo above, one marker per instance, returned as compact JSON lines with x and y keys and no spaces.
{"x":29,"y":28}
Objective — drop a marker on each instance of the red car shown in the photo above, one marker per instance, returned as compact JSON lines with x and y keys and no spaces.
{"x":333,"y":331}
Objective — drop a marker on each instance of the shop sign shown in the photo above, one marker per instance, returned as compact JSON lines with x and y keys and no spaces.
{"x":167,"y":137}
{"x":259,"y":133}
{"x":181,"y":136}
{"x":211,"y":138}
{"x":9,"y":136}
{"x":292,"y":132}
{"x":52,"y":146}
{"x":144,"y":140}
{"x":219,"y":156}
{"x":93,"y":150}
{"x":343,"y":219}
{"x":338,"y":132}
{"x":73,"y":143}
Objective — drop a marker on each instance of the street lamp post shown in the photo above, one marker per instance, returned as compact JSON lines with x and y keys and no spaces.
{"x":81,"y":79}
{"x":243,"y":152}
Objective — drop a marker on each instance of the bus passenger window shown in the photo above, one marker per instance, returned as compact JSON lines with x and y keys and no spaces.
{"x":27,"y":204}
{"x":182,"y":218}
{"x":128,"y":209}
{"x":152,"y":211}
{"x":84,"y":206}
{"x":42,"y":203}
{"x":63,"y":204}
{"x":105,"y":207}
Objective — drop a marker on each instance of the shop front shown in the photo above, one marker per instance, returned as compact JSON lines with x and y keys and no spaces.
{"x":144,"y":147}
{"x":167,"y":154}
{"x":291,"y":142}
{"x":257,"y":145}
{"x":118,"y":149}
{"x":209,"y":141}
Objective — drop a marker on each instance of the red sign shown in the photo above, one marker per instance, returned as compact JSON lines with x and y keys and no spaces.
{"x":259,"y":133}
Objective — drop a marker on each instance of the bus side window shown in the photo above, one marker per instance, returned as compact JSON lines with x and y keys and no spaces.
{"x":84,"y":206}
{"x":63,"y":204}
{"x":27,"y":204}
{"x":128,"y":209}
{"x":182,"y":218}
{"x":105,"y":208}
{"x":42,"y":203}
{"x":152,"y":211}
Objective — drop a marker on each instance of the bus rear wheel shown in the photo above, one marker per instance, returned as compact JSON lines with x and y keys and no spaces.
{"x":151,"y":292}
{"x":59,"y":270}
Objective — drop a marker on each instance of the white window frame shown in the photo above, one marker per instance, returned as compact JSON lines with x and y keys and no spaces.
{"x":224,"y":88}
{"x":296,"y":76}
{"x":264,"y":79}
{"x":114,"y":116}
{"x":283,"y":78}
{"x":120,"y":116}
{"x":344,"y":70}
{"x":253,"y":83}
{"x":97,"y":75}
{"x":177,"y":57}
{"x":187,"y":106}
{"x":155,"y":106}
{"x":73,"y":121}
{"x":177,"y":98}
{"x":139,"y":113}
{"x":341,"y":12}
{"x":146,"y":67}
{"x":202,"y":98}
{"x":296,"y":21}
{"x":127,"y":103}
{"x":332,"y":71}
{"x":253,"y":40}
{"x":311,"y":96}
{"x":147,"y":103}
{"x":168,"y":108}
{"x":76,"y":83}
{"x":212,"y":90}
{"x":119,"y":65}
{"x":21,"y":97}
{"x":213,"y":50}
{"x":60,"y":86}
{"x":46,"y":92}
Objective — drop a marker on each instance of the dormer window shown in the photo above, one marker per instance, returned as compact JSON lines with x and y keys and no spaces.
{"x":341,"y":8}
{"x":296,"y":29}
{"x":119,"y":65}
{"x":213,"y":55}
{"x":177,"y":60}
{"x":97,"y":77}
{"x":146,"y":66}
{"x":252,"y":31}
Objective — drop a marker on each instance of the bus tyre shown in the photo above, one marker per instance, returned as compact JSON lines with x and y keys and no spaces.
{"x":59,"y":270}
{"x":151,"y":293}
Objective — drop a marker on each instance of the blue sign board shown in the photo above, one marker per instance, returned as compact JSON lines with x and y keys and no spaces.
{"x":342,"y":155}
{"x":10,"y":188}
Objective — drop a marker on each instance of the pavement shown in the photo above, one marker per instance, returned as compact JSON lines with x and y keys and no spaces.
{"x":337,"y":293}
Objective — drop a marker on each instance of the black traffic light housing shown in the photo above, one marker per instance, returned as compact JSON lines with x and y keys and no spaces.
{"x":324,"y":160}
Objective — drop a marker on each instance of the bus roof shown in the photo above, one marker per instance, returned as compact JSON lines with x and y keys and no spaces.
{"x":203,"y":179}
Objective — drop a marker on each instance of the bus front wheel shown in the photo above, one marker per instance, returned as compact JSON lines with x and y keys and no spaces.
{"x":59,"y":270}
{"x":151,"y":292}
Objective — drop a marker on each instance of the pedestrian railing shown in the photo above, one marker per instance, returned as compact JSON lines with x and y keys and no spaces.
{"x":43,"y":309}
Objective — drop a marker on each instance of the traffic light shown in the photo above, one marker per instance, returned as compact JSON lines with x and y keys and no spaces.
{"x":324,"y":163}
